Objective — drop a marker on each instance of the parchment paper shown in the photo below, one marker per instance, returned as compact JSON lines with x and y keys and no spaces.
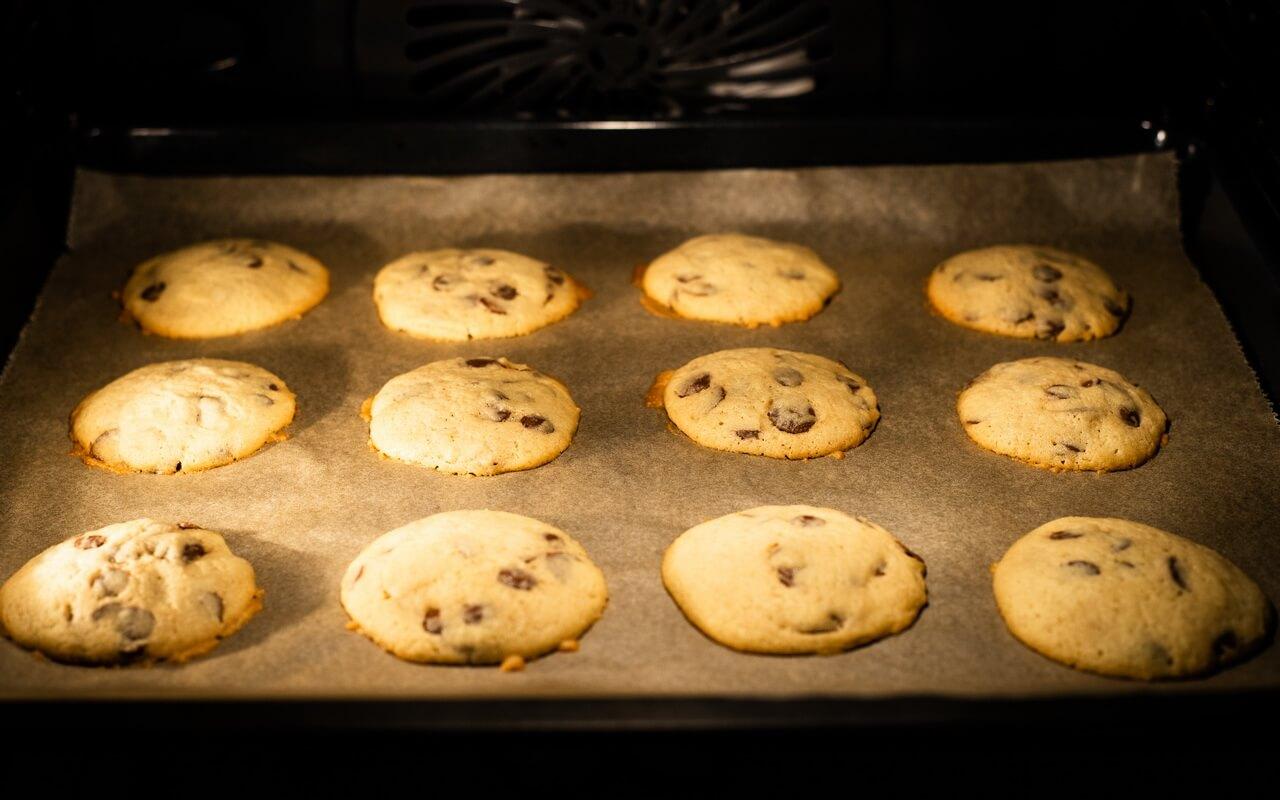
{"x":302,"y":509}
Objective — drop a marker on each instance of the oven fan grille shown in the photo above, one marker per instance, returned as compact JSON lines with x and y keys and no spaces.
{"x":651,"y":57}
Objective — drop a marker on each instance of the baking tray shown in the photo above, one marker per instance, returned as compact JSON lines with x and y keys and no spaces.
{"x":627,"y":486}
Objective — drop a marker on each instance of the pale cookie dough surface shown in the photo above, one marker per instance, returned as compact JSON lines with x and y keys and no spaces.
{"x":455,"y":295}
{"x":743,"y":280}
{"x":1028,"y":292}
{"x":181,"y":416}
{"x":477,"y":416}
{"x":1125,"y":599}
{"x":1062,"y":414}
{"x":134,"y":591}
{"x":223,"y":287}
{"x":473,"y":587}
{"x":770,"y":402}
{"x":794,"y":579}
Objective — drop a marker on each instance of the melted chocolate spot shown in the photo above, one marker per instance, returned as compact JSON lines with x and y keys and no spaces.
{"x":554,"y":275}
{"x":517,"y":579}
{"x":492,"y":307}
{"x":1175,"y":572}
{"x":747,"y":434}
{"x":480,"y":362}
{"x":535,"y":421}
{"x":808,"y":521}
{"x":152,"y":292}
{"x":1085,"y":567}
{"x":687,"y":278}
{"x":1046,"y":273}
{"x":472,"y":614}
{"x":1088,"y":383}
{"x":792,"y":420}
{"x":254,"y":262}
{"x":431,"y":622}
{"x":787,"y":576}
{"x":1131,"y":417}
{"x":787,"y":376}
{"x":504,"y":291}
{"x":1114,"y":308}
{"x":192,"y":551}
{"x":695,"y":385}
{"x":1058,"y":536}
{"x":1050,"y":329}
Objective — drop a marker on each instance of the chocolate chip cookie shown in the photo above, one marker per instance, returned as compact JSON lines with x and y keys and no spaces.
{"x":1120,"y":598}
{"x":1028,"y":292}
{"x":223,"y":287}
{"x":455,"y":295}
{"x":181,"y":416}
{"x":770,"y":402}
{"x":794,"y":579}
{"x":743,"y":280}
{"x":473,"y":587}
{"x":472,"y":416}
{"x":132,"y":592}
{"x":1062,"y":414}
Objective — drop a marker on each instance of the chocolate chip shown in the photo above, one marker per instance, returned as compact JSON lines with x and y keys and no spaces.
{"x":695,"y":385}
{"x":554,"y":275}
{"x":747,"y":434}
{"x":1085,"y":567}
{"x":787,"y":576}
{"x":431,"y":621}
{"x":1226,"y":642}
{"x":191,"y":551}
{"x":1115,"y":309}
{"x":1046,"y":273}
{"x":1050,"y":329}
{"x":790,"y":419}
{"x":472,"y":614}
{"x":135,"y":623}
{"x":1059,"y":391}
{"x":849,"y":383}
{"x":89,"y":541}
{"x":273,"y":387}
{"x":1054,"y":299}
{"x":1088,"y":383}
{"x":480,"y":362}
{"x":152,"y":292}
{"x":254,"y":262}
{"x":212,"y":603}
{"x":177,"y":467}
{"x":504,"y":291}
{"x":788,"y":376}
{"x":1131,"y":417}
{"x":535,"y":421}
{"x":808,"y":521}
{"x":1058,"y":536}
{"x":517,"y":579}
{"x":972,"y":421}
{"x":551,"y":537}
{"x":441,"y":283}
{"x":492,"y":307}
{"x":1175,"y":572}
{"x":880,"y":568}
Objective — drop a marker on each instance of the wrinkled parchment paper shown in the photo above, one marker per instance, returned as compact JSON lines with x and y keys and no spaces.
{"x":302,"y":509}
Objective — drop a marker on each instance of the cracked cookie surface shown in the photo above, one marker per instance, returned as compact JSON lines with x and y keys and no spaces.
{"x":455,"y":295}
{"x":1028,"y":292}
{"x":1121,"y":598}
{"x":472,"y":416}
{"x":1062,"y":414}
{"x":770,"y":402}
{"x":181,"y":416}
{"x":136,"y":591}
{"x":742,"y":280}
{"x":473,"y":587}
{"x":223,"y":287}
{"x":794,"y":579}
